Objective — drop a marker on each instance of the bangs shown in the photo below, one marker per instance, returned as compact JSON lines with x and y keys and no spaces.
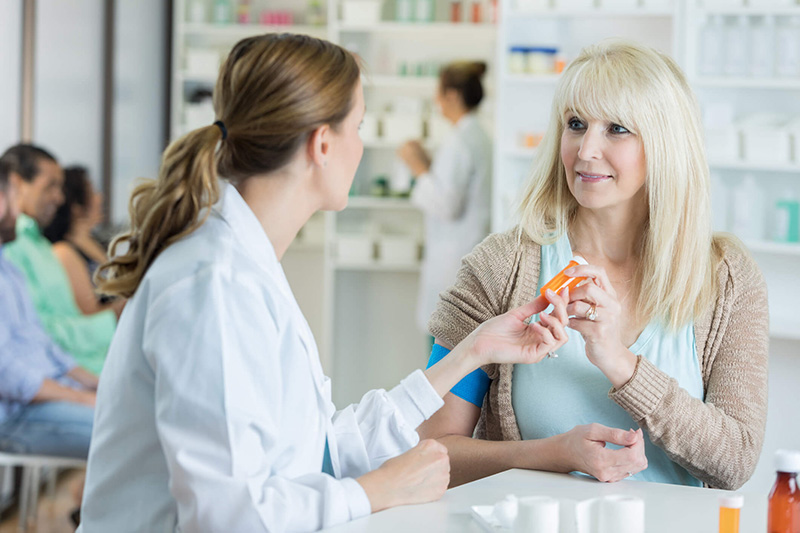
{"x":603,"y":89}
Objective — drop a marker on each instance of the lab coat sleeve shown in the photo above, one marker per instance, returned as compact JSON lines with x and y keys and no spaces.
{"x":383,"y":424}
{"x":219,"y":412}
{"x":442,"y":191}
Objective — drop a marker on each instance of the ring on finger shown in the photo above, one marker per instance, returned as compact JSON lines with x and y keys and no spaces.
{"x":552,"y":355}
{"x":629,"y":474}
{"x":591,"y":314}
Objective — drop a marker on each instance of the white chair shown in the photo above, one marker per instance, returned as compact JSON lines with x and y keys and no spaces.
{"x":31,"y":480}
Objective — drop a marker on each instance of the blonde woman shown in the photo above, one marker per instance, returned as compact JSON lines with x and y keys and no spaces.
{"x":664,"y":376}
{"x":213,"y":413}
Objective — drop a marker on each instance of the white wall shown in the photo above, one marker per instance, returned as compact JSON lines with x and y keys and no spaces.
{"x":68,"y":81}
{"x":10,"y":66}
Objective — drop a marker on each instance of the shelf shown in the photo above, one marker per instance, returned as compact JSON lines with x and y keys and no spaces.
{"x":240,"y":31}
{"x":427,"y":83}
{"x":593,"y":13}
{"x":777,"y":11}
{"x":377,"y":267}
{"x":755,"y":167}
{"x":423,"y":28}
{"x":773,"y":248}
{"x":195,"y":78}
{"x":533,"y":79}
{"x":377,"y":202}
{"x":747,"y":83}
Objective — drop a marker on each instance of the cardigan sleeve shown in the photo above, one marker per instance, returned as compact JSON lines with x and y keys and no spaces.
{"x":717,"y":440}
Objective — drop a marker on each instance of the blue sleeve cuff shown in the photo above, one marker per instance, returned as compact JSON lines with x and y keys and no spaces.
{"x":472,"y":388}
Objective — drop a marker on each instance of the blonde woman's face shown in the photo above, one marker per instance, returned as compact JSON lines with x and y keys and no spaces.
{"x":604,"y":162}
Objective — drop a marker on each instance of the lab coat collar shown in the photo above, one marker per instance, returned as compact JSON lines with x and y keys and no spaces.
{"x":465,"y":121}
{"x":246,"y":228}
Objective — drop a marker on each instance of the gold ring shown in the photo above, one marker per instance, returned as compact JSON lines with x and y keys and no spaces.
{"x":591,"y":314}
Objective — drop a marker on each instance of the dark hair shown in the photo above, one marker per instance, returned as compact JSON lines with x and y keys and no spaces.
{"x":5,"y":172}
{"x":23,"y":159}
{"x":465,"y":78}
{"x":76,"y":192}
{"x":271,"y":93}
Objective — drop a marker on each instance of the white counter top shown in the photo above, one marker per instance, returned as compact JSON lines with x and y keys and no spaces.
{"x":668,"y":508}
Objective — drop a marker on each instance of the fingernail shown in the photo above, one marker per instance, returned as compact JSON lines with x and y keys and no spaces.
{"x":550,"y":293}
{"x":569,"y":271}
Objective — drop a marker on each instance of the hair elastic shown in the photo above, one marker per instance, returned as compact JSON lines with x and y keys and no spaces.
{"x":222,"y":128}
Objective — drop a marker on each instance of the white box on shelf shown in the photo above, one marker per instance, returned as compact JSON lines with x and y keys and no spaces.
{"x":658,"y":4}
{"x":399,"y":127}
{"x":765,"y":139}
{"x":370,"y":127}
{"x":202,"y":62}
{"x":400,"y":250}
{"x":354,"y":249}
{"x":722,"y":144}
{"x":361,"y":11}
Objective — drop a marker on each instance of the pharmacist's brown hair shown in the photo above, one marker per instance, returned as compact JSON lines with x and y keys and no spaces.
{"x":465,"y":78}
{"x":272,"y":92}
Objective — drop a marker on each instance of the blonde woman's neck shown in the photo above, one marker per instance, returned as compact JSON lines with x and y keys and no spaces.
{"x":612,"y":235}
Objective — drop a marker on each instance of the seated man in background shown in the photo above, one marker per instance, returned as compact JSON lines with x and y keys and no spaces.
{"x":46,"y":401}
{"x":41,"y":179}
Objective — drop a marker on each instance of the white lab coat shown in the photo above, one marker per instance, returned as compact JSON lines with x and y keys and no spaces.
{"x":213,"y":410}
{"x":455,"y":198}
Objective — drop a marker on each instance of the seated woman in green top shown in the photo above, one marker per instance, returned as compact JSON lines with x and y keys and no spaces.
{"x":85,"y":336}
{"x":664,"y":377}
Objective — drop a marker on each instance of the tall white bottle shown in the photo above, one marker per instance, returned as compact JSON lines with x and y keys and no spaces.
{"x":762,"y":59}
{"x":747,"y":217}
{"x":787,"y":37}
{"x":712,"y":57}
{"x":737,"y":47}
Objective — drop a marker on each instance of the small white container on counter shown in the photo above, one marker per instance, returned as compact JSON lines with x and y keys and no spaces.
{"x":354,"y":249}
{"x":398,"y":250}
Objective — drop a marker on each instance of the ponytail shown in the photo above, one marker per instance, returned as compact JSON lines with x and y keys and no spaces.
{"x":164,"y":210}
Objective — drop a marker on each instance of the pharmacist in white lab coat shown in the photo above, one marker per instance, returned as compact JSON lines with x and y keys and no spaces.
{"x":453,"y":190}
{"x":213,"y":413}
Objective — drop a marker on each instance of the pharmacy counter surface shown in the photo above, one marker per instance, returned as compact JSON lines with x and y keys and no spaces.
{"x":668,"y":508}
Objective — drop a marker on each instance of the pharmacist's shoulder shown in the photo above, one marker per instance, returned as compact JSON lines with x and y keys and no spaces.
{"x":736,"y":265}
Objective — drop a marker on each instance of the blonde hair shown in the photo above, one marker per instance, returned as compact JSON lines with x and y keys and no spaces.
{"x":645,"y":91}
{"x":272,"y":92}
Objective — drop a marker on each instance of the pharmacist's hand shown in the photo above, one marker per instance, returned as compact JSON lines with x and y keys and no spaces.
{"x":603,"y":335}
{"x":420,"y":475}
{"x":414,"y":155}
{"x":508,"y":339}
{"x":583,"y":448}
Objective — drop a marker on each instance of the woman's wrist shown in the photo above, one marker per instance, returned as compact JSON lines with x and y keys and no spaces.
{"x":462,"y":360}
{"x":621,"y":372}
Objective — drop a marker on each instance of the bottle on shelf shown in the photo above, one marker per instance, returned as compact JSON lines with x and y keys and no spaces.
{"x":197,"y":12}
{"x":476,"y":15}
{"x":762,"y":62}
{"x":784,"y":498}
{"x":424,"y":11}
{"x":787,"y":38}
{"x":456,"y":15}
{"x":729,"y":509}
{"x":737,"y":47}
{"x":711,"y":43}
{"x":404,"y":10}
{"x":747,"y":213}
{"x":223,"y":11}
{"x":315,"y":14}
{"x":787,"y":218}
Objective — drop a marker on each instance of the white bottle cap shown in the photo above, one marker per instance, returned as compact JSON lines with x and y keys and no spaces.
{"x":734,"y":501}
{"x":580,"y":260}
{"x":787,"y":461}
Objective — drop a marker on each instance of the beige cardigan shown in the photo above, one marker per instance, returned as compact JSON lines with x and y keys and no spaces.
{"x":718,"y":441}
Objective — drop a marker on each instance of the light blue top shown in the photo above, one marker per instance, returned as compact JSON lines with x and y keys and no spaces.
{"x":555,"y":395}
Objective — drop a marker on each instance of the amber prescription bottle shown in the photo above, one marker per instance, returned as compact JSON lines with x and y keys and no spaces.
{"x":729,"y":509}
{"x":784,"y":499}
{"x":561,"y":280}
